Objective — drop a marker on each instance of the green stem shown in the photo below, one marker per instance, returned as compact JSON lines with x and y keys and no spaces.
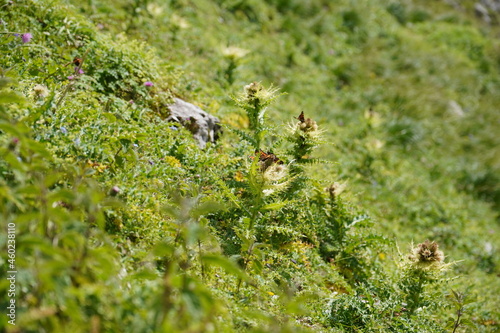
{"x":201,"y":261}
{"x":415,"y":295}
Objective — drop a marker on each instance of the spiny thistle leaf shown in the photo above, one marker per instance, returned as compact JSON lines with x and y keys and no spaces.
{"x":242,"y":135}
{"x":276,"y":205}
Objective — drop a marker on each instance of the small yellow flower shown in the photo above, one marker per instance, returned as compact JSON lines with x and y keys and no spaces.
{"x":239,"y":176}
{"x":97,"y":166}
{"x":173,"y":161}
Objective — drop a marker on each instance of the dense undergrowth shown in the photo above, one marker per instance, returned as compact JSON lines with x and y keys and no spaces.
{"x":301,"y":218}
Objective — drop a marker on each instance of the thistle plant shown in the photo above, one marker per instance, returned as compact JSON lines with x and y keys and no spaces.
{"x":305,"y":136}
{"x":267,"y":174}
{"x":254,"y":100}
{"x":423,"y":267}
{"x":233,"y":55}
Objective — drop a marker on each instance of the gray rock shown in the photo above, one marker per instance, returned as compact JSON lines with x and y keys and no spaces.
{"x":205,"y":127}
{"x":482,"y":12}
{"x":493,"y":5}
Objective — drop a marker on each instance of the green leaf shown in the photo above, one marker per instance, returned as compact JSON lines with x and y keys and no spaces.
{"x":207,"y":208}
{"x":10,"y":98}
{"x":11,"y":129}
{"x":275,"y":205}
{"x":145,"y":274}
{"x":163,"y":249}
{"x":241,"y":134}
{"x":358,"y":219}
{"x":226,"y":191}
{"x":467,"y":322}
{"x":226,"y":264}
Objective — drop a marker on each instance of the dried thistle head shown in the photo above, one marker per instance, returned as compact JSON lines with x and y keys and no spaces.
{"x":427,"y":253}
{"x":304,"y":129}
{"x":308,"y":125}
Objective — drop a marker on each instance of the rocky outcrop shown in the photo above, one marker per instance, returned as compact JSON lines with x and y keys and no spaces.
{"x":488,"y":10}
{"x":205,"y":127}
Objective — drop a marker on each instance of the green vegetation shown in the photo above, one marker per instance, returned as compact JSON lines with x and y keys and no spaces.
{"x":358,"y":135}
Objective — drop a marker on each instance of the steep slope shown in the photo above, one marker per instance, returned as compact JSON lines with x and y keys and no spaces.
{"x":122,"y":221}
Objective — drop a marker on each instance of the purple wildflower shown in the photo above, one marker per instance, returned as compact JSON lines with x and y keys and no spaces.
{"x":114,"y":191}
{"x":26,"y":37}
{"x":79,"y":70}
{"x":13,"y":143}
{"x":131,"y":101}
{"x":71,"y":77}
{"x":64,"y":130}
{"x":148,"y":84}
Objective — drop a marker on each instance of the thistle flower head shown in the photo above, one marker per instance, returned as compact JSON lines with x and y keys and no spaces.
{"x":234,"y":53}
{"x":252,"y":89}
{"x":307,"y":125}
{"x":40,"y":91}
{"x":154,"y":9}
{"x":179,"y":22}
{"x":26,"y":38}
{"x":115,"y":190}
{"x":254,"y":100}
{"x":426,"y":254}
{"x":305,"y":128}
{"x":275,"y":179}
{"x":270,"y":174}
{"x":255,"y":91}
{"x":275,"y":172}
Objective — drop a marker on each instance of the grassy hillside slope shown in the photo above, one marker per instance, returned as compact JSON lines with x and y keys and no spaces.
{"x":121,"y":221}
